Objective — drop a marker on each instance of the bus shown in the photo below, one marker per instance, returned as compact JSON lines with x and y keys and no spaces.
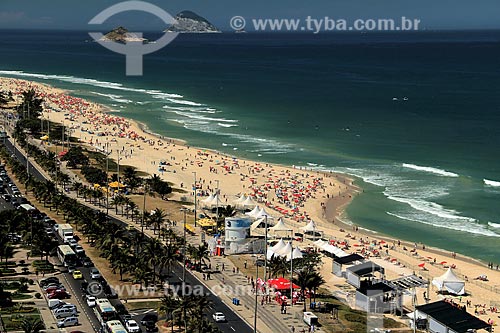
{"x":66,"y":255}
{"x":115,"y":326}
{"x":104,"y":311}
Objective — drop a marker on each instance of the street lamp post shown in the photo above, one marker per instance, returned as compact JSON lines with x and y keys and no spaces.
{"x":107,"y":179}
{"x":291,"y":270}
{"x":265,"y":250}
{"x":184,"y":250}
{"x":258,"y":263}
{"x":144,"y":208}
{"x":195,"y":199}
{"x":217,"y":205}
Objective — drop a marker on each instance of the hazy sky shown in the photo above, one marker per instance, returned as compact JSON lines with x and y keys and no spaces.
{"x":70,"y":14}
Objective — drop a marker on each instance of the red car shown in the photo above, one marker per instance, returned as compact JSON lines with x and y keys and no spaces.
{"x":59,"y":294}
{"x":50,"y":290}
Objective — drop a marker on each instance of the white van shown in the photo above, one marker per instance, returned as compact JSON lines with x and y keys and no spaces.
{"x":54,"y":302}
{"x":310,"y":318}
{"x":70,"y":321}
{"x":65,"y":312}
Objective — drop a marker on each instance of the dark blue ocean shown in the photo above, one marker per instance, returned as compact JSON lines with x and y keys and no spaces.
{"x":415,"y":117}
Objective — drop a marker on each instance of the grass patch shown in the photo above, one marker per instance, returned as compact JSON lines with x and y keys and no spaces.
{"x":21,"y":310}
{"x":8,"y":264}
{"x":13,"y":322}
{"x":43,"y":266}
{"x":20,"y":296}
{"x":142,"y":305}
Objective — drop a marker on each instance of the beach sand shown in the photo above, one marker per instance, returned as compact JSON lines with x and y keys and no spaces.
{"x":299,"y":194}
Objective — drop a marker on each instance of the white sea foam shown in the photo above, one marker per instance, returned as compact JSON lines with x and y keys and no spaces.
{"x":473,"y":228}
{"x":193,"y":115}
{"x":227,"y":125}
{"x":491,"y":183}
{"x":494,"y":225}
{"x":430,"y":170}
{"x":183,"y":102}
{"x":114,"y":98}
{"x":432,"y":208}
{"x":92,"y":82}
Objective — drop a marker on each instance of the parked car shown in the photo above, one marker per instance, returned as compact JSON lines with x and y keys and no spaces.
{"x":65,"y":312}
{"x":59,"y":294}
{"x":132,"y":326}
{"x":69,"y":321}
{"x":51,"y":289}
{"x":49,"y":280}
{"x":94,"y":273}
{"x":219,"y":317}
{"x":55,"y":303}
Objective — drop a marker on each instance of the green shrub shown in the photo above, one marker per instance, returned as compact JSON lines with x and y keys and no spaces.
{"x":31,"y":282}
{"x":38,"y":295}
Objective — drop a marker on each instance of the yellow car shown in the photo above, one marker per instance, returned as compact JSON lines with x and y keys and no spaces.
{"x":130,"y":227}
{"x":77,"y":275}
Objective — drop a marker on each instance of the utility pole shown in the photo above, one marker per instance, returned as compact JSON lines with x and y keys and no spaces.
{"x":258,"y":263}
{"x":107,"y":180}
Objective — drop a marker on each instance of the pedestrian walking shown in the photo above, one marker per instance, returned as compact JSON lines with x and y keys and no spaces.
{"x":292,"y":329}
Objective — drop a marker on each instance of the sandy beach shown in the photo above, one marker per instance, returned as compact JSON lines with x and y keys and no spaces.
{"x":295,"y":193}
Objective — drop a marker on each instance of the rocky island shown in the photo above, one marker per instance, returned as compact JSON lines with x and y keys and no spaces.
{"x":189,"y":22}
{"x":122,"y":35}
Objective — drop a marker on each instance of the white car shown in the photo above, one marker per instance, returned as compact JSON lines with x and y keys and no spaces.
{"x":69,"y":321}
{"x":132,"y":326}
{"x":94,"y":274}
{"x":219,"y":317}
{"x":79,"y":249}
{"x":91,"y":301}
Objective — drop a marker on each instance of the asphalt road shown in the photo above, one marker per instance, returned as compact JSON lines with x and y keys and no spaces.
{"x":234,"y":322}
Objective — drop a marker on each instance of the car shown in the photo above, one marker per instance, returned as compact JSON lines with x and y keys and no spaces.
{"x":59,"y":294}
{"x":150,"y":318}
{"x":219,"y":317}
{"x":7,"y":197}
{"x":69,"y":321}
{"x":77,"y":275}
{"x":151,"y":327}
{"x":49,"y":280}
{"x":94,"y":273}
{"x":132,"y":326}
{"x":71,"y":269}
{"x":79,"y":249}
{"x":72,"y":242}
{"x":64,"y":312}
{"x":90,"y":300}
{"x":54,"y":288}
{"x":87,"y":262}
{"x":130,"y":227}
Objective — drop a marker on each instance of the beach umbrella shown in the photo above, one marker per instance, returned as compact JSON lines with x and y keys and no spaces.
{"x":421,"y":265}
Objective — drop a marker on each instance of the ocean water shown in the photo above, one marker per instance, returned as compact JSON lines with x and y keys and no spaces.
{"x":414,"y":117}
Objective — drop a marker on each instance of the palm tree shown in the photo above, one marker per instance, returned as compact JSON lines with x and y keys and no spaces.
{"x":302,"y":281}
{"x":157,"y":218}
{"x":153,"y":250}
{"x":314,"y":282}
{"x":32,"y":325}
{"x":278,"y":266}
{"x":199,"y":254}
{"x":168,"y":305}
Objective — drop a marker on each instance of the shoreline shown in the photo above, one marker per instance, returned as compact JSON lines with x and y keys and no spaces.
{"x":337,"y":204}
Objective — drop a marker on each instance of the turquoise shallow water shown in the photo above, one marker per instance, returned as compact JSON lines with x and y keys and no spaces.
{"x":414,"y":117}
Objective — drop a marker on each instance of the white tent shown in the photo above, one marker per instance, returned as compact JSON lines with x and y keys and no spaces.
{"x":330,"y":248}
{"x":240,"y":200}
{"x":296,"y":254}
{"x":208,"y":199}
{"x":450,"y":283}
{"x":280,"y":226}
{"x":284,"y":250}
{"x":278,"y":245}
{"x":311,"y":226}
{"x":262,"y":213}
{"x":256,"y":224}
{"x":253,"y":212}
{"x":248,"y":202}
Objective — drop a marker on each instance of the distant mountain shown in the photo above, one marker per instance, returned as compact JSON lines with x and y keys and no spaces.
{"x":189,"y":22}
{"x":121,"y":35}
